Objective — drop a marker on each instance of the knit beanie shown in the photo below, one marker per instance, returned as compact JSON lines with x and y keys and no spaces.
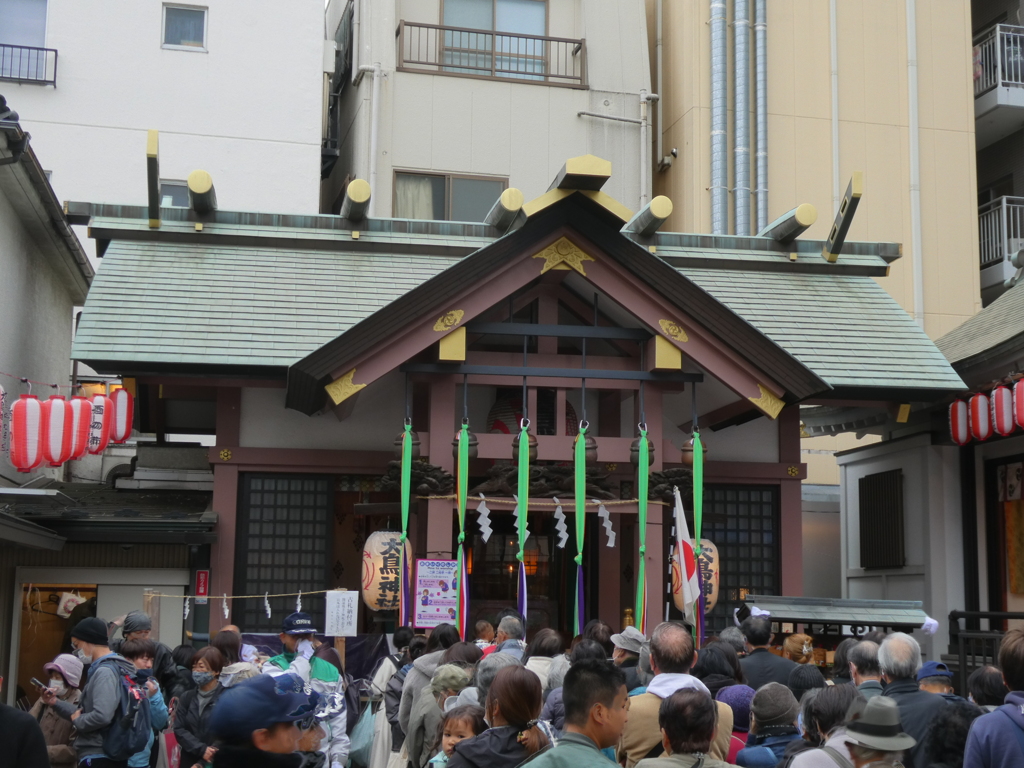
{"x":136,"y":621}
{"x":91,"y":630}
{"x":803,"y":678}
{"x":738,"y":697}
{"x":774,"y":704}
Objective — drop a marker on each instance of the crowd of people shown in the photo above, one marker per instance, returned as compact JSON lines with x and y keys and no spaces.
{"x":496,"y":701}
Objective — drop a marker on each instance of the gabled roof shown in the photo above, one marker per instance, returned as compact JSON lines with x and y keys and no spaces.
{"x":998,"y":328}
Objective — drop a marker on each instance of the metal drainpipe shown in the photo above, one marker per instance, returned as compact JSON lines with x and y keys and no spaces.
{"x":917,"y":257}
{"x":741,"y":116}
{"x":356,"y":39}
{"x":644,"y":148}
{"x":664,"y":162}
{"x":761,"y":108}
{"x":374,"y":133}
{"x":719,"y":118}
{"x":833,"y":35}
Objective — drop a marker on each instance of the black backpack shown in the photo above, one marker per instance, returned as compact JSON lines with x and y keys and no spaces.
{"x":132,"y":725}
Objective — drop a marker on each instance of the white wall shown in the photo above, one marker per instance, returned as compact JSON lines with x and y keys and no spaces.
{"x":248,"y":110}
{"x":521,"y":131}
{"x":932,"y":530}
{"x":35,"y":313}
{"x":822,"y":553}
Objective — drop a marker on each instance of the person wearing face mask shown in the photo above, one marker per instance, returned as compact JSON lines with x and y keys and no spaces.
{"x":65,"y":673}
{"x":137,"y":625}
{"x":94,"y":712}
{"x":196,"y":707}
{"x":297,"y":636}
{"x":141,"y":653}
{"x":256,"y":724}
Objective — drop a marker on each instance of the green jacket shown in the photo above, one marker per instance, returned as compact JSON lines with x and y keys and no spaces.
{"x":574,"y":750}
{"x":318,"y":668}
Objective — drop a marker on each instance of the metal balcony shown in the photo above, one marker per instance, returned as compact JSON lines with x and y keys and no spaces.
{"x":998,"y":83}
{"x":25,"y":64}
{"x":487,"y":55}
{"x":1000,"y":236}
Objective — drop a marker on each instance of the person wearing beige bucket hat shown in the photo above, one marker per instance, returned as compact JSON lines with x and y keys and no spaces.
{"x":875,"y":735}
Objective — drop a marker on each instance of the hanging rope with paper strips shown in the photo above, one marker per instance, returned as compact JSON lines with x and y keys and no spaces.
{"x":580,"y":464}
{"x":522,"y":509}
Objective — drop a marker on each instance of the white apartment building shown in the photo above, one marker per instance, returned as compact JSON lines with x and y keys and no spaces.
{"x":235,"y":87}
{"x":441,"y":105}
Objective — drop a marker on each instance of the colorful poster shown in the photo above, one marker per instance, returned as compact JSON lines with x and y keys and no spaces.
{"x":435,"y":593}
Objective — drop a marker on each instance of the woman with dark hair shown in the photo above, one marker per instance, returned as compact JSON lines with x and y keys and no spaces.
{"x":192,"y":715}
{"x":948,"y":734}
{"x":442,"y":637}
{"x":513,"y":706}
{"x":541,"y":652}
{"x":841,"y":661}
{"x":687,"y":719}
{"x":828,"y":712}
{"x":713,"y":668}
{"x":235,"y":670}
{"x":986,"y":688}
{"x":464,"y":654}
{"x":182,"y":656}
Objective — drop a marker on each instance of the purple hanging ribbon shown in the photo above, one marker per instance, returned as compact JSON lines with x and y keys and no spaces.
{"x":521,"y":601}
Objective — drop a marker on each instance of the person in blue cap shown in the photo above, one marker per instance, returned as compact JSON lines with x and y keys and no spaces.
{"x":936,"y":677}
{"x":297,"y":636}
{"x":256,"y":723}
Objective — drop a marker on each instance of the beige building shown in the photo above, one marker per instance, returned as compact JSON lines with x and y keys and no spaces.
{"x":842,"y":95}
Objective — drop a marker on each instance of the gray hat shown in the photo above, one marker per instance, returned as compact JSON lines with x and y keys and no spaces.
{"x":448,"y":677}
{"x":878,"y":727}
{"x":136,"y":621}
{"x":630,"y":639}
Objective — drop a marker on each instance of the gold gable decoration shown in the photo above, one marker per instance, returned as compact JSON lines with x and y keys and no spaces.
{"x":449,"y":320}
{"x":768,"y":403}
{"x":673,"y":330}
{"x":563,"y":254}
{"x":343,"y":388}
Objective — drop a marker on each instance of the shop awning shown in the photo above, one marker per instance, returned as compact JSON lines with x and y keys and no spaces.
{"x":891,"y":614}
{"x":14,"y":530}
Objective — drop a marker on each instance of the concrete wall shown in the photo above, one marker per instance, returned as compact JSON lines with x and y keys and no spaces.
{"x":873,"y":132}
{"x":932,"y":530}
{"x":248,"y":110}
{"x":37,"y":313}
{"x":521,"y":131}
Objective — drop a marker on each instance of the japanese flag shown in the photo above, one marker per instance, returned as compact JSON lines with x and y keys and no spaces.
{"x":686,"y":562}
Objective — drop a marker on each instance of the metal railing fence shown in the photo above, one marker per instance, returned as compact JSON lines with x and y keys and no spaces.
{"x":25,"y":64}
{"x":999,"y":58}
{"x":1000,"y":229}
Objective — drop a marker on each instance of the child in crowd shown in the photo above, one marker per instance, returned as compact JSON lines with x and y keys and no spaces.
{"x":484,"y":633}
{"x":141,"y":653}
{"x":458,"y":724}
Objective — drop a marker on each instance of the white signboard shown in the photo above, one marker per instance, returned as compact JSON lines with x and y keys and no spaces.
{"x":342,"y":614}
{"x":435,"y":593}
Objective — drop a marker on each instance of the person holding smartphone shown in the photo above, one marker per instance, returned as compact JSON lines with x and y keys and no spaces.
{"x":63,"y":676}
{"x":141,"y":653}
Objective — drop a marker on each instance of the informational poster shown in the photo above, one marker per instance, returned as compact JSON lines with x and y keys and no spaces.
{"x":435,"y":593}
{"x":342,"y":613}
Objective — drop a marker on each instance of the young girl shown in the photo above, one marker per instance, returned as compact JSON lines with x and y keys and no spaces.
{"x":458,"y":724}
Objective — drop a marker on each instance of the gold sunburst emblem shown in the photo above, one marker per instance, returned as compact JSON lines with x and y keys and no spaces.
{"x":563,"y":254}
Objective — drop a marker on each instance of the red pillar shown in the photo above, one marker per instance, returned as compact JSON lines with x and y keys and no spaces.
{"x":225,"y":493}
{"x":442,"y":430}
{"x":791,"y":505}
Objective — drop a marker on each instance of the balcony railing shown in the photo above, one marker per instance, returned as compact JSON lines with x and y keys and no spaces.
{"x":491,"y":55}
{"x":999,"y":58}
{"x":1000,"y":229}
{"x":24,"y":64}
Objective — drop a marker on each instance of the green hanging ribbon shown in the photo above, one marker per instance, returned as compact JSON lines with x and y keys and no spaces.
{"x":463,"y":487}
{"x":698,"y":489}
{"x":406,"y":478}
{"x":524,"y":486}
{"x":580,"y":466}
{"x":643,"y":480}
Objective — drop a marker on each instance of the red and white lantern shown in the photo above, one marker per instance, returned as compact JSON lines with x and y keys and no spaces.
{"x":1002,"y":410}
{"x":26,"y":433}
{"x":56,"y":439}
{"x":102,"y":421}
{"x":959,"y":429}
{"x":124,"y":412}
{"x":980,"y":417}
{"x":81,"y":421}
{"x":1018,"y":403}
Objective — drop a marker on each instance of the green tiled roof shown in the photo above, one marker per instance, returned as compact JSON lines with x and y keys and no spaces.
{"x":188,"y":303}
{"x":845,"y":328}
{"x":997,"y":324}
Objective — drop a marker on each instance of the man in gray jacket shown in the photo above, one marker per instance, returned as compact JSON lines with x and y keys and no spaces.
{"x":98,"y":706}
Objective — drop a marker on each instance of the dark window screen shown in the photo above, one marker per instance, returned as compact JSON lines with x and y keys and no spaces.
{"x":881,"y":520}
{"x":743,"y":522}
{"x":282,"y":546}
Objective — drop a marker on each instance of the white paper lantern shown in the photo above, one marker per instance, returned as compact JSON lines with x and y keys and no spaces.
{"x":124,"y":413}
{"x":102,"y":422}
{"x":710,"y":574}
{"x":382,"y":569}
{"x":56,"y":431}
{"x":81,"y":420}
{"x":26,"y":433}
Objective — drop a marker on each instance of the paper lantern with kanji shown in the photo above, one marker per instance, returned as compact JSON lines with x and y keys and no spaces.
{"x":56,"y":431}
{"x":102,"y":421}
{"x":26,"y":433}
{"x":1001,"y":400}
{"x":124,"y":412}
{"x":710,"y":569}
{"x":980,"y":417}
{"x":1018,"y":403}
{"x":959,"y":427}
{"x":81,"y":421}
{"x":382,"y":569}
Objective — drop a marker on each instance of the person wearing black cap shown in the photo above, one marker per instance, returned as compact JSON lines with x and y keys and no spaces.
{"x":256,"y":724}
{"x":875,"y":736}
{"x":98,"y":706}
{"x":297,"y":635}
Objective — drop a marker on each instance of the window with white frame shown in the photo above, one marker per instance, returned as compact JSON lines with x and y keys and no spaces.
{"x":173,"y":194}
{"x":445,"y":197}
{"x":23,"y":22}
{"x":184,"y":28}
{"x":513,"y":49}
